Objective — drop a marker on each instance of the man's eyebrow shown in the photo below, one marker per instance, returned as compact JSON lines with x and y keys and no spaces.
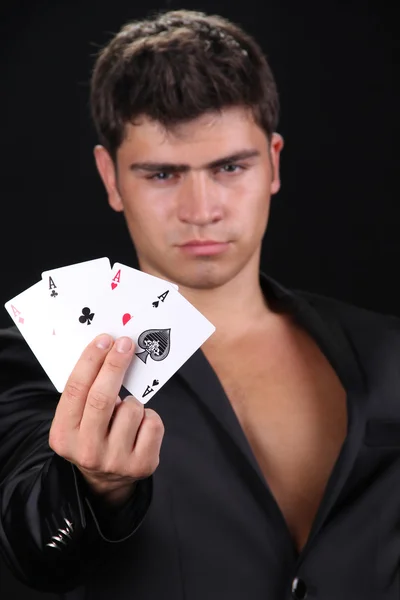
{"x":155,"y":167}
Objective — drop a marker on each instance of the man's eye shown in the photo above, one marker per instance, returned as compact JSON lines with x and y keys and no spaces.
{"x":231,"y":168}
{"x":161,"y":176}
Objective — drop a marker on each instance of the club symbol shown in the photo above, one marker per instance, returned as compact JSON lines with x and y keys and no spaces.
{"x":53,"y":294}
{"x":155,"y":343}
{"x":86,"y":316}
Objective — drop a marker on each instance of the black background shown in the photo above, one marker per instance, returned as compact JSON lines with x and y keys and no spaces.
{"x":334,"y":226}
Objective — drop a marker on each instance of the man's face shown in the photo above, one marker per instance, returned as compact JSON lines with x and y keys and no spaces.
{"x":188,"y":186}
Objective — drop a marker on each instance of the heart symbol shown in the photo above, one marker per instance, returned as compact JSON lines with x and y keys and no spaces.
{"x":113,"y":285}
{"x":156,"y":382}
{"x":126,"y":318}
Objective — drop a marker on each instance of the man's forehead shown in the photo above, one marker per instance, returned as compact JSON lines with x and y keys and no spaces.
{"x":209,"y":122}
{"x":210,"y":138}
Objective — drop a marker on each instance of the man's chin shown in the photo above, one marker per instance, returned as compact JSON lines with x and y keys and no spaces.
{"x":199,"y":273}
{"x":203,"y":279}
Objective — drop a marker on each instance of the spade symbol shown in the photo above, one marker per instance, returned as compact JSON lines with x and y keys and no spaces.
{"x":155,"y":343}
{"x":86,"y":316}
{"x":155,"y":304}
{"x":155,"y":382}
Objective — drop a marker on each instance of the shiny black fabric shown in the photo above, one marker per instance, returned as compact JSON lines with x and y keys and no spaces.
{"x":39,"y":489}
{"x":206,"y":525}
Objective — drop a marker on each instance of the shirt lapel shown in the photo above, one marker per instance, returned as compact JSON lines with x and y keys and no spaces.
{"x":324,"y":325}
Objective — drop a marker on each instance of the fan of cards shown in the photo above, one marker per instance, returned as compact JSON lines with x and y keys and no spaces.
{"x":60,"y":314}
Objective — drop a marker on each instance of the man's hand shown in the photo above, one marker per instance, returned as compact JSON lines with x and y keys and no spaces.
{"x":113,"y":443}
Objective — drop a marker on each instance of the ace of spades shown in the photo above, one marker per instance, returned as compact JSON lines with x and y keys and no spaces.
{"x":164,"y":338}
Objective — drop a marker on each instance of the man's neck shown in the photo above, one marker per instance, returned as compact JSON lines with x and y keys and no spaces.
{"x":235,"y":308}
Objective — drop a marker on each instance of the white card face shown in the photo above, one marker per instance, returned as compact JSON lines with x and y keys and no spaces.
{"x":165,"y":338}
{"x":78,"y":300}
{"x":61,"y":314}
{"x":74,"y":294}
{"x":132,"y":292}
{"x":123,"y":275}
{"x":29,"y":312}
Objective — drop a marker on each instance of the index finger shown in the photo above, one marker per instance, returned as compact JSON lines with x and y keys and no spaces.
{"x":73,"y":399}
{"x":103,"y":394}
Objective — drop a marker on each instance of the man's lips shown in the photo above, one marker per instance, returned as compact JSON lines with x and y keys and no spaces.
{"x":204,"y":247}
{"x":201,"y":243}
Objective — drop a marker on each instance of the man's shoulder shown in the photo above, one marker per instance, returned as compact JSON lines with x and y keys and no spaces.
{"x":374,"y":336}
{"x":330,"y":308}
{"x":347,"y":312}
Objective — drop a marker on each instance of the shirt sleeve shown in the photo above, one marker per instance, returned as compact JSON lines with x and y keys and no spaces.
{"x":53,"y":531}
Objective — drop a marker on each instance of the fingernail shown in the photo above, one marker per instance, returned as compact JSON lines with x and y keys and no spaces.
{"x":124,"y":344}
{"x":103,"y":342}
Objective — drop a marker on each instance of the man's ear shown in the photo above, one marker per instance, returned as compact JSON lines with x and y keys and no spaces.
{"x":276,"y":147}
{"x":106,"y":169}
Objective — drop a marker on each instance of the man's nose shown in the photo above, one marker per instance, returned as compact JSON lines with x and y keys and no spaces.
{"x":199,"y":202}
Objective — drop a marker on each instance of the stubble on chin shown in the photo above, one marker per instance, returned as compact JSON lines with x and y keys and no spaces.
{"x":204,"y":274}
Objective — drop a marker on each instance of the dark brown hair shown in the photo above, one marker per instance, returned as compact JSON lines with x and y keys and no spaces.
{"x":176,"y":66}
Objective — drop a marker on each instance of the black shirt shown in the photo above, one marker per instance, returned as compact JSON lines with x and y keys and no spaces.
{"x":205,"y":525}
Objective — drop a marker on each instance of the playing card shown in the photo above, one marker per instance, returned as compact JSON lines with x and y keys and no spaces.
{"x":63,"y":312}
{"x":164,"y":340}
{"x":78,"y":301}
{"x":73,"y":295}
{"x":133,"y":291}
{"x":28,"y":311}
{"x":122,"y":275}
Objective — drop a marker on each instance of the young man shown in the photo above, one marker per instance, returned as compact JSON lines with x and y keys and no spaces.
{"x":263,"y":468}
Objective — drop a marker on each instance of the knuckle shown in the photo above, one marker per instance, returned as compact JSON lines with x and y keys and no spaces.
{"x":56,"y":442}
{"x":154,"y":422}
{"x":113,"y":365}
{"x":76,"y":389}
{"x":136,"y":408}
{"x":89,"y":461}
{"x":59,"y":441}
{"x":110,"y":466}
{"x":151,"y":465}
{"x":99,"y":400}
{"x":146,"y":465}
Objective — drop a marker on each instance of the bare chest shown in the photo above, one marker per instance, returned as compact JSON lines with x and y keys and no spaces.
{"x":292,"y":408}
